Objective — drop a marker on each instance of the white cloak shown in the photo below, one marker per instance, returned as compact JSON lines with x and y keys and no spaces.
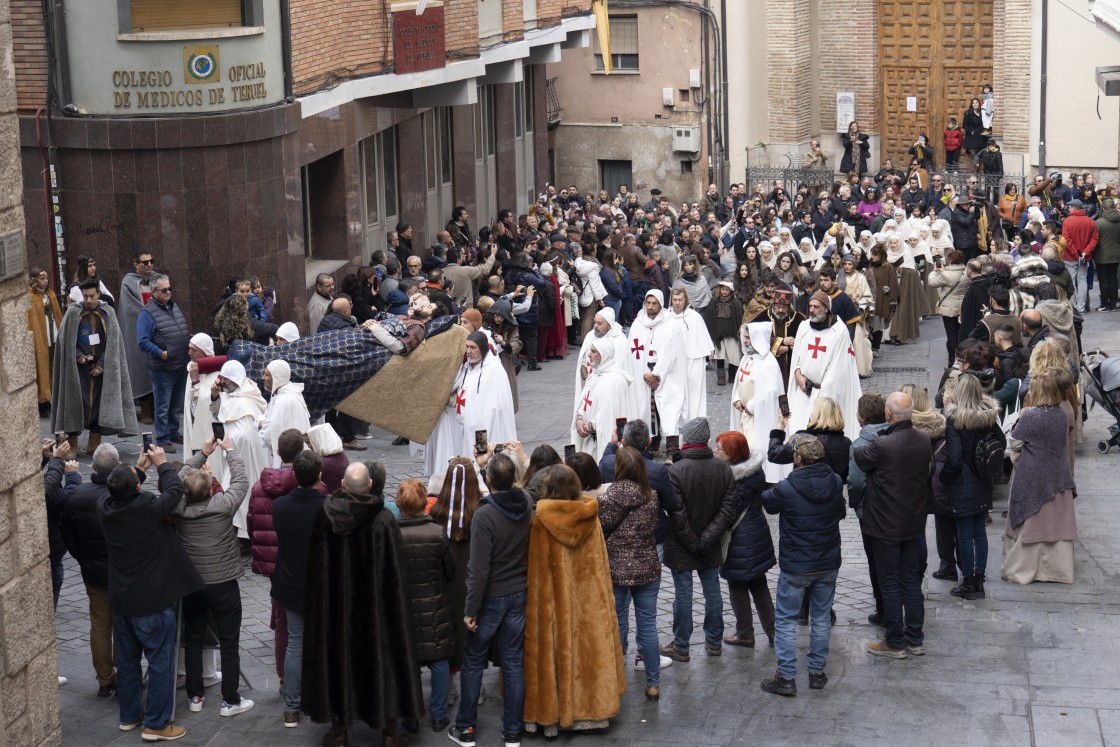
{"x":604,"y":398}
{"x":241,"y":411}
{"x":758,"y":383}
{"x":480,"y":400}
{"x":697,"y":346}
{"x":660,"y":341}
{"x":827,"y":358}
{"x":285,"y":410}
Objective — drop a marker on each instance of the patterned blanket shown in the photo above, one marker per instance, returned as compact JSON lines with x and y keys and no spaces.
{"x":331,"y":365}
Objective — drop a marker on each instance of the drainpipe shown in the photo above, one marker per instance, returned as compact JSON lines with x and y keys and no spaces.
{"x":1042,"y":90}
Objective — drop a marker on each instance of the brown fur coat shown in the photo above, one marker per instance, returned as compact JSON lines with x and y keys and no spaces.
{"x":573,"y":657}
{"x":37,"y":323}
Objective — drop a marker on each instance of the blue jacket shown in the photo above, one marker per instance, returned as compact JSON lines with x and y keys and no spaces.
{"x":750,"y":553}
{"x":614,"y":287}
{"x":162,"y":328}
{"x":857,"y":480}
{"x":810,"y":505}
{"x":515,"y":276}
{"x":667,"y":499}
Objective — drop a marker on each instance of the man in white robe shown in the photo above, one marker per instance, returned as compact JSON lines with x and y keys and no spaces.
{"x":758,"y":384}
{"x":480,"y":400}
{"x":657,"y":341}
{"x":241,"y":409}
{"x":823,"y":364}
{"x":606,"y":328}
{"x":285,"y":410}
{"x":199,"y":409}
{"x":605,"y":397}
{"x":697,"y":347}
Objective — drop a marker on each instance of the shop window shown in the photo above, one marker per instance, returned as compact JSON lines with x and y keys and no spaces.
{"x":624,"y":44}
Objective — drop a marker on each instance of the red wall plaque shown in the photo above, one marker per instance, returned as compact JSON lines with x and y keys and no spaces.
{"x":418,"y":40}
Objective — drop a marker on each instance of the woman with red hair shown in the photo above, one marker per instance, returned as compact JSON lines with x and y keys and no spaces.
{"x":750,"y":551}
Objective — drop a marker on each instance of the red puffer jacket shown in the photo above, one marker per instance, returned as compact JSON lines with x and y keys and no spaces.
{"x":954,"y":138}
{"x":262,"y":537}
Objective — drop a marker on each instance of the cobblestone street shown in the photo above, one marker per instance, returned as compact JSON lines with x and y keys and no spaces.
{"x":1034,"y":665}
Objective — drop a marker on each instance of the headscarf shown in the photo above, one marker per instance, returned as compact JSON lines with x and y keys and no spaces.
{"x":785,"y":240}
{"x":807,"y":258}
{"x":324,"y":440}
{"x":458,"y":486}
{"x":288,"y":332}
{"x":652,"y":292}
{"x":768,"y":263}
{"x":608,"y":313}
{"x":941,"y":244}
{"x":902,"y":252}
{"x":205,"y":343}
{"x":234,"y":371}
{"x":607,"y":362}
{"x":281,"y":373}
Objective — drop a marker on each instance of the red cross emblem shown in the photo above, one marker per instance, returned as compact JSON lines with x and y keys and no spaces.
{"x":586,"y":401}
{"x":460,"y":401}
{"x":816,"y":347}
{"x":851,"y":351}
{"x":636,"y":350}
{"x":743,"y":374}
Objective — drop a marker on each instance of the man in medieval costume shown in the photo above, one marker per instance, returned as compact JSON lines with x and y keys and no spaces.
{"x":758,"y":384}
{"x":605,"y":397}
{"x":240,"y":410}
{"x":823,"y":365}
{"x":785,"y":323}
{"x":657,"y":341}
{"x":91,"y":388}
{"x":286,"y":409}
{"x":697,"y":347}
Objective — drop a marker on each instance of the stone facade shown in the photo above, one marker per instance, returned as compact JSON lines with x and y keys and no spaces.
{"x":29,"y":712}
{"x":789,"y":66}
{"x":1011,"y":72}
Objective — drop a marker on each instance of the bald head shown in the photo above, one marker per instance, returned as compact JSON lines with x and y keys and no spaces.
{"x":356,"y":479}
{"x":1031,"y":320}
{"x":899,"y":407}
{"x":341,"y":306}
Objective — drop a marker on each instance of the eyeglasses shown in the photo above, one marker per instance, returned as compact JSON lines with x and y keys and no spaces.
{"x":142,"y":261}
{"x":162,"y":290}
{"x":972,"y":184}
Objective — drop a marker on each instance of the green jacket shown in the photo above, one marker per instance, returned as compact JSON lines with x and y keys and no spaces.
{"x":1108,"y":245}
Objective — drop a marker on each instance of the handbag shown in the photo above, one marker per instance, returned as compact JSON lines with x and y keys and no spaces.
{"x":725,"y":542}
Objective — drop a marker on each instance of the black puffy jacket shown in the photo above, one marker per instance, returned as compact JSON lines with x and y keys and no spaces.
{"x":82,"y":531}
{"x":810,"y":505}
{"x":707,"y":489}
{"x":430,"y":571}
{"x":750,"y":553}
{"x":968,"y":493}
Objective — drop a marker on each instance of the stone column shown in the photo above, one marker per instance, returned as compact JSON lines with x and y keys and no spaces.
{"x":28,"y":684}
{"x":1011,"y":72}
{"x":788,"y":70}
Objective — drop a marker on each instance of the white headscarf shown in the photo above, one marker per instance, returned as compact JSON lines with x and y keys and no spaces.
{"x":607,"y":363}
{"x":653,"y":292}
{"x":942,"y":244}
{"x":281,"y":373}
{"x":807,"y":258}
{"x":234,"y":371}
{"x":288,"y":332}
{"x":902,"y":252}
{"x":205,"y":343}
{"x":324,"y":440}
{"x":756,"y":331}
{"x":608,"y":313}
{"x":785,"y":241}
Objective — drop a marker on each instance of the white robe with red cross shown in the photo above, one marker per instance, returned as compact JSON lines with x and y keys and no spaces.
{"x":657,"y":345}
{"x":827,"y":358}
{"x":604,"y":398}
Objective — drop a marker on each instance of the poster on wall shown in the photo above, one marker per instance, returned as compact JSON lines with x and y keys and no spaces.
{"x":845,"y":110}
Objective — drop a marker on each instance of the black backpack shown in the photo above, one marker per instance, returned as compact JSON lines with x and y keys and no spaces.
{"x":986,"y":459}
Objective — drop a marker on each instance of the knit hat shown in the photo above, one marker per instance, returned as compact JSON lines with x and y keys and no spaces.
{"x":288,"y":332}
{"x":696,"y":432}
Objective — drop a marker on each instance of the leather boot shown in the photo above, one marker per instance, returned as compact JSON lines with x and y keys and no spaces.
{"x":92,"y":443}
{"x":721,"y":377}
{"x":654,"y":445}
{"x":73,"y":441}
{"x":968,"y":588}
{"x":146,"y":411}
{"x":672,"y":447}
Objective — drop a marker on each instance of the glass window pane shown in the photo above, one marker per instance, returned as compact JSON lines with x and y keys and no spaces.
{"x":445,"y":145}
{"x":389,"y":170}
{"x":369,"y":167}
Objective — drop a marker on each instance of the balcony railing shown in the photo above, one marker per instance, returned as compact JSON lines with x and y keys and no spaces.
{"x":552,"y":102}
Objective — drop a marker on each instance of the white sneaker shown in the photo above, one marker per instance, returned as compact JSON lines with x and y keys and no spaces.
{"x":196,"y":703}
{"x":232,"y":710}
{"x":639,"y":662}
{"x":62,"y":680}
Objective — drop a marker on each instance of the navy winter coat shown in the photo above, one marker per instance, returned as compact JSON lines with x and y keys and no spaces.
{"x":515,"y":276}
{"x":810,"y":505}
{"x":751,"y":550}
{"x":968,"y":493}
{"x":837,"y":447}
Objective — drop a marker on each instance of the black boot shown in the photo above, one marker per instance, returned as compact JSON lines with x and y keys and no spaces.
{"x":654,"y":445}
{"x":968,"y":588}
{"x":672,"y":447}
{"x":721,"y":374}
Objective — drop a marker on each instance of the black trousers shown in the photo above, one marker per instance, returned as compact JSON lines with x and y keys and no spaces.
{"x":528,"y":334}
{"x":740,"y":593}
{"x":1106,"y":276}
{"x":945,"y":528}
{"x":223,"y":603}
{"x":876,"y":591}
{"x":345,"y":426}
{"x":952,"y":335}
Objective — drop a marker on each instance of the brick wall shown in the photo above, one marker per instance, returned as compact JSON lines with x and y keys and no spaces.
{"x":332,"y":39}
{"x":29,"y":52}
{"x":513,"y":20}
{"x":848,"y":61}
{"x":461,"y":28}
{"x":788,"y":68}
{"x":1011,"y":72}
{"x":28,"y":667}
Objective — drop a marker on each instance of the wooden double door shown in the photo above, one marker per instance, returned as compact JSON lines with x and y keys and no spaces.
{"x":934,"y":57}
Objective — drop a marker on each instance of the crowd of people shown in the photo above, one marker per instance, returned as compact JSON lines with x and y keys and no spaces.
{"x":504,"y":556}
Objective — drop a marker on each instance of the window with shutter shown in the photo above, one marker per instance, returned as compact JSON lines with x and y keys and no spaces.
{"x":624,"y":44}
{"x":179,"y":15}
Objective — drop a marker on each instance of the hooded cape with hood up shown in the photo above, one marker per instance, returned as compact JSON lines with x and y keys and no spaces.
{"x":360,"y":661}
{"x":604,"y":398}
{"x":758,"y":384}
{"x":573,"y":657}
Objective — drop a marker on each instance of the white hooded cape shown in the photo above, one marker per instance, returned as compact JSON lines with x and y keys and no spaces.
{"x":697,"y":346}
{"x":660,"y":341}
{"x":241,"y":411}
{"x":285,"y":410}
{"x":604,"y":398}
{"x":758,"y":384}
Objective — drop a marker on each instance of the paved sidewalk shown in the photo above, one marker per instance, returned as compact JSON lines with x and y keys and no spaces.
{"x":1028,"y":665}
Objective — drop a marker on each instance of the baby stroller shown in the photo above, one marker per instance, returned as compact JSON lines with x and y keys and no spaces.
{"x":1102,"y":385}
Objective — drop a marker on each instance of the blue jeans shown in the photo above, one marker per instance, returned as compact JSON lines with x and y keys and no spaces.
{"x":645,"y":617}
{"x":821,"y":588}
{"x":58,"y":575}
{"x":292,"y":689}
{"x":898,"y":565}
{"x":973,"y":542}
{"x":504,"y":618}
{"x":441,"y":684}
{"x":152,"y":636}
{"x":682,"y":608}
{"x":168,"y":388}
